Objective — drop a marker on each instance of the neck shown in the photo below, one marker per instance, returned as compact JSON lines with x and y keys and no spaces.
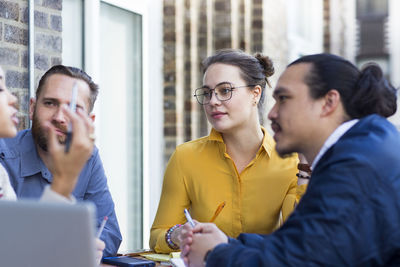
{"x":246,"y":140}
{"x":317,"y":141}
{"x":44,"y":155}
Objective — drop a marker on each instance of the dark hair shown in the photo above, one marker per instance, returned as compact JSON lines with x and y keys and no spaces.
{"x":74,"y":73}
{"x":253,"y":69}
{"x":362,"y":92}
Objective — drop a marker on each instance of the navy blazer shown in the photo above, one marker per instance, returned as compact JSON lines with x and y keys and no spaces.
{"x":349,"y":216}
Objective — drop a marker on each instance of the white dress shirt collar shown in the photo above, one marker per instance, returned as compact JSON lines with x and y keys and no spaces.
{"x":333,"y":138}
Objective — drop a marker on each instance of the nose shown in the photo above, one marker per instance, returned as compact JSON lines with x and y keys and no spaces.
{"x":12,"y":99}
{"x":214,"y":99}
{"x":273,"y":113}
{"x":59,"y":116}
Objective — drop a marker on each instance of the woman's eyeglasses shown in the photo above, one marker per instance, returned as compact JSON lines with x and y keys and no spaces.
{"x":222,"y":91}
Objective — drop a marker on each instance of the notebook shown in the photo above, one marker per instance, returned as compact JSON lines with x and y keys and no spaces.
{"x":38,"y":234}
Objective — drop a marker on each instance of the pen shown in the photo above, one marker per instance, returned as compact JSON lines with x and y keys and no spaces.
{"x":188,"y":217}
{"x":219,"y":208}
{"x":103,"y":223}
{"x":72,"y":107}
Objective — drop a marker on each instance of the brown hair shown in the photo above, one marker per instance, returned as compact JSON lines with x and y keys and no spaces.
{"x":74,"y":73}
{"x":253,"y":69}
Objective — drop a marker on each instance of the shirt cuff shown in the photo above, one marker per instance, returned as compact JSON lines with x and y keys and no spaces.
{"x":51,"y":196}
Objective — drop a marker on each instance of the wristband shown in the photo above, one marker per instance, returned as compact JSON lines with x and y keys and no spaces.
{"x":304,"y":167}
{"x":302,"y":176}
{"x":168,"y":239}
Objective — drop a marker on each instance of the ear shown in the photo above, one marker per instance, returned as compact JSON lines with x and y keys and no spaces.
{"x":331,"y":102}
{"x":32,"y":105}
{"x":257,"y":92}
{"x":92,"y":116}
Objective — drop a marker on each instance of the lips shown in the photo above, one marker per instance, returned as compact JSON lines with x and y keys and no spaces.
{"x":275,"y":127}
{"x":60,"y":132}
{"x":217,"y":114}
{"x":15,"y":119}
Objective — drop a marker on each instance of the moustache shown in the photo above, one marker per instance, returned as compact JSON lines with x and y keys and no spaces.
{"x":275,"y":126}
{"x":60,"y":126}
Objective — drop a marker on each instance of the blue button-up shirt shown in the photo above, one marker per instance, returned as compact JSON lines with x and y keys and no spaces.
{"x":29,"y":176}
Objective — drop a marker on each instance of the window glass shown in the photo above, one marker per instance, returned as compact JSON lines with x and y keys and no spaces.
{"x":121,"y":115}
{"x":72,"y":41}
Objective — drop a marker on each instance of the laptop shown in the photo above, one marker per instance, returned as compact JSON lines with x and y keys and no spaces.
{"x":37,"y":234}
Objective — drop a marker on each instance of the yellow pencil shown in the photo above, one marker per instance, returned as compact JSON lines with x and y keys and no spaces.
{"x":220,"y":207}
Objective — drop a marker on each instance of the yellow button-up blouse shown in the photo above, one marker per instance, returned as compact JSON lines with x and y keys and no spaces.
{"x":200,"y":175}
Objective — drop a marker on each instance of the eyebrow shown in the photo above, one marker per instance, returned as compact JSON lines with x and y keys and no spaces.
{"x":279,"y":90}
{"x":218,"y":84}
{"x":58,"y":102}
{"x":50,"y":99}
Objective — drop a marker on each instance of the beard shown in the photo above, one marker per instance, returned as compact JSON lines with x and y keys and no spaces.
{"x":40,"y":135}
{"x":285,"y":154}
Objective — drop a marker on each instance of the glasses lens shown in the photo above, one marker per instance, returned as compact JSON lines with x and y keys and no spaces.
{"x":224,"y":91}
{"x":202,"y":95}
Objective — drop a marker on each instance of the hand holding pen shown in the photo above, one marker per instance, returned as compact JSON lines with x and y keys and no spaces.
{"x":66,"y":167}
{"x":188,"y":217}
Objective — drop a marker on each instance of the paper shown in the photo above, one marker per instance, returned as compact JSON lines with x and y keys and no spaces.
{"x":177,"y":262}
{"x":157,"y":257}
{"x":173,"y":257}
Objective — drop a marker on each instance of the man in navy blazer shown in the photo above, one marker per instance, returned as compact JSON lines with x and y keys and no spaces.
{"x":350,"y":215}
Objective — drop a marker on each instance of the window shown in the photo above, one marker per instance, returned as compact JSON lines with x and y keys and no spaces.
{"x":372,"y":33}
{"x":121,"y":114}
{"x":72,"y":52}
{"x":106,"y":41}
{"x":305,"y":34}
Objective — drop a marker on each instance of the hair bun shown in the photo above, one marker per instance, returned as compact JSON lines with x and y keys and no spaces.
{"x":266,"y":63}
{"x":374,"y":90}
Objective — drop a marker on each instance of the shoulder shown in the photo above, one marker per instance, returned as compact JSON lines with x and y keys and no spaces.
{"x":372,"y":137}
{"x":196,"y":146}
{"x":22,"y":142}
{"x":23,"y":137}
{"x":365,"y":150}
{"x":95,"y":159}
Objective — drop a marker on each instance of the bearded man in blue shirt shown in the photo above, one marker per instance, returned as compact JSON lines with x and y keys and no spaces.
{"x":334,"y":115}
{"x":27,"y":160}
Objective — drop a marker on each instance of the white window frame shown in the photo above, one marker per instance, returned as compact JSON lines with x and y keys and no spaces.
{"x":152,"y":118}
{"x":298,"y":45}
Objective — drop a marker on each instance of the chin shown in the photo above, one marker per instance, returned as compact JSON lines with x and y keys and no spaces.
{"x":8,"y":134}
{"x":220,"y":127}
{"x":284,"y":152}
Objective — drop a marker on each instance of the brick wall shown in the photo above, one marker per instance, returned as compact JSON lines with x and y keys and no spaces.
{"x":14,"y":19}
{"x":184,"y":119}
{"x":327,"y":32}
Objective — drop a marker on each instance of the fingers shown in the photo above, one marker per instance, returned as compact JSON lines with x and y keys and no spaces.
{"x":185,"y":249}
{"x":53,"y":144}
{"x":205,"y":228}
{"x":100,"y":245}
{"x":82,"y":127}
{"x":79,"y":119}
{"x":186,"y":261}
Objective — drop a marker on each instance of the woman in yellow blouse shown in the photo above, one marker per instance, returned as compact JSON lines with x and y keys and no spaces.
{"x":236,"y":164}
